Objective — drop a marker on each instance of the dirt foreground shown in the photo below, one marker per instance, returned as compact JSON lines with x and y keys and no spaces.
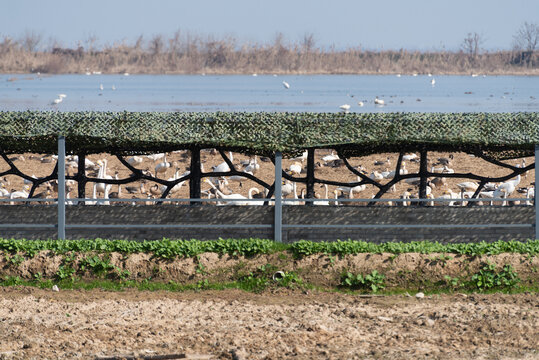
{"x":42,"y":324}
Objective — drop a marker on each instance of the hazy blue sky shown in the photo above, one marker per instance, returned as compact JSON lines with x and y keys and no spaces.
{"x":389,"y":24}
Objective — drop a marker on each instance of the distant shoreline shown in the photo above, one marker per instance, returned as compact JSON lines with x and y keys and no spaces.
{"x":220,"y":59}
{"x":534,"y":72}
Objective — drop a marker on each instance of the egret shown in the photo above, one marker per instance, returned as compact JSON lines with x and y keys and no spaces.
{"x":432,"y":82}
{"x":101,"y":87}
{"x":360,"y":103}
{"x":379,"y":101}
{"x":286,"y":85}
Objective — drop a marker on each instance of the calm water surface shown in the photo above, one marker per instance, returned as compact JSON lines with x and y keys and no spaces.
{"x":317,"y":93}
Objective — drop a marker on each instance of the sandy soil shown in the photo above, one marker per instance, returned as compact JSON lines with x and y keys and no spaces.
{"x":462,"y":163}
{"x":41,"y":324}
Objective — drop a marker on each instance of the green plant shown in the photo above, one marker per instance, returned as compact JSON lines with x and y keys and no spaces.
{"x":373,"y":281}
{"x":289,"y":280}
{"x":65,"y":272}
{"x":452,"y":281}
{"x":488,"y":278}
{"x":96,"y":264}
{"x":15,"y":260}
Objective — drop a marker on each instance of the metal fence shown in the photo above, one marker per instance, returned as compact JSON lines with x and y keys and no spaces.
{"x":278,"y":202}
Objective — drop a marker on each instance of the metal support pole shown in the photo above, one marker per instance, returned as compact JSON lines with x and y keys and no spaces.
{"x":536,"y":204}
{"x":278,"y":220}
{"x":61,"y":188}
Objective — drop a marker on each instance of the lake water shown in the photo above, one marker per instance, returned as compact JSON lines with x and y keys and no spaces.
{"x":313,"y":93}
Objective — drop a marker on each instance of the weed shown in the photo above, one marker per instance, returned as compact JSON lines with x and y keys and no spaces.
{"x":373,"y":281}
{"x":14,"y":260}
{"x":489,"y":278}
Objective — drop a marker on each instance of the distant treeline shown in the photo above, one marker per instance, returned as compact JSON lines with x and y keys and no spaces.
{"x":193,"y":55}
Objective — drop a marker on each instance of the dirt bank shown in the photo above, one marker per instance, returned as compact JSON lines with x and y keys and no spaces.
{"x":85,"y":324}
{"x":400,"y":271}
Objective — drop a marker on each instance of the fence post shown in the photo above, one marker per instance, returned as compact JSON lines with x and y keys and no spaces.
{"x":535,"y":203}
{"x":61,"y":187}
{"x":278,"y":219}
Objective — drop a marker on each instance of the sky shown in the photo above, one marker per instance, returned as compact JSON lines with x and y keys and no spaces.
{"x":391,"y":24}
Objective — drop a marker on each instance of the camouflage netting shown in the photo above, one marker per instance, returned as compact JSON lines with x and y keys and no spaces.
{"x":500,"y":135}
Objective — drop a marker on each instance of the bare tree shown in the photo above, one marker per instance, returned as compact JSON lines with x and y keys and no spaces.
{"x":308,"y":42}
{"x":471,"y":44}
{"x":156,"y":44}
{"x":527,"y":37}
{"x":31,"y":40}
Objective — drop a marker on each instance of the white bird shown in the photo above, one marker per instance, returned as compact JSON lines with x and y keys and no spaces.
{"x":220,"y":195}
{"x":135,"y":160}
{"x":468,"y":186}
{"x":56,"y":101}
{"x":330,"y":157}
{"x":223,"y":167}
{"x":179,"y":185}
{"x":360,"y":103}
{"x":155,"y":157}
{"x":301,"y":158}
{"x":345,"y":108}
{"x":347,"y":189}
{"x":409,"y":157}
{"x":113,"y":87}
{"x":256,"y":191}
{"x":22,"y":194}
{"x":252,"y":167}
{"x":286,"y":85}
{"x":102,"y":174}
{"x":432,"y":82}
{"x":101,"y":87}
{"x":379,"y":101}
{"x":326,"y":202}
{"x":162,"y":167}
{"x":296,"y":168}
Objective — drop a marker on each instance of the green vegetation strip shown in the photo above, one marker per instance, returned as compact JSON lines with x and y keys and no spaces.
{"x":169,"y":249}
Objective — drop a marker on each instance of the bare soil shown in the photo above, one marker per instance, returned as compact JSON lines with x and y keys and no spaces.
{"x":41,"y":324}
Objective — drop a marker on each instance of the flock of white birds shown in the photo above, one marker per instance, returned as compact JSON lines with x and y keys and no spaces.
{"x":221,"y":188}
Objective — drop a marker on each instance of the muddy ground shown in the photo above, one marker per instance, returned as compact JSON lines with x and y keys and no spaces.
{"x":41,"y":324}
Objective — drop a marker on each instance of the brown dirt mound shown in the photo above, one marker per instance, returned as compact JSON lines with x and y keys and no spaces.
{"x":323,"y":270}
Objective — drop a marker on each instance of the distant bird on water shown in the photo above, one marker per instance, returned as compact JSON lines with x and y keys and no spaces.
{"x":286,"y":85}
{"x":59,"y":100}
{"x":345,"y":108}
{"x":379,"y":101}
{"x":101,"y":87}
{"x":432,"y":82}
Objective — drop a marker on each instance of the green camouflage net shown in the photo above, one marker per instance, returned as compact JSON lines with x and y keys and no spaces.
{"x":499,"y":135}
